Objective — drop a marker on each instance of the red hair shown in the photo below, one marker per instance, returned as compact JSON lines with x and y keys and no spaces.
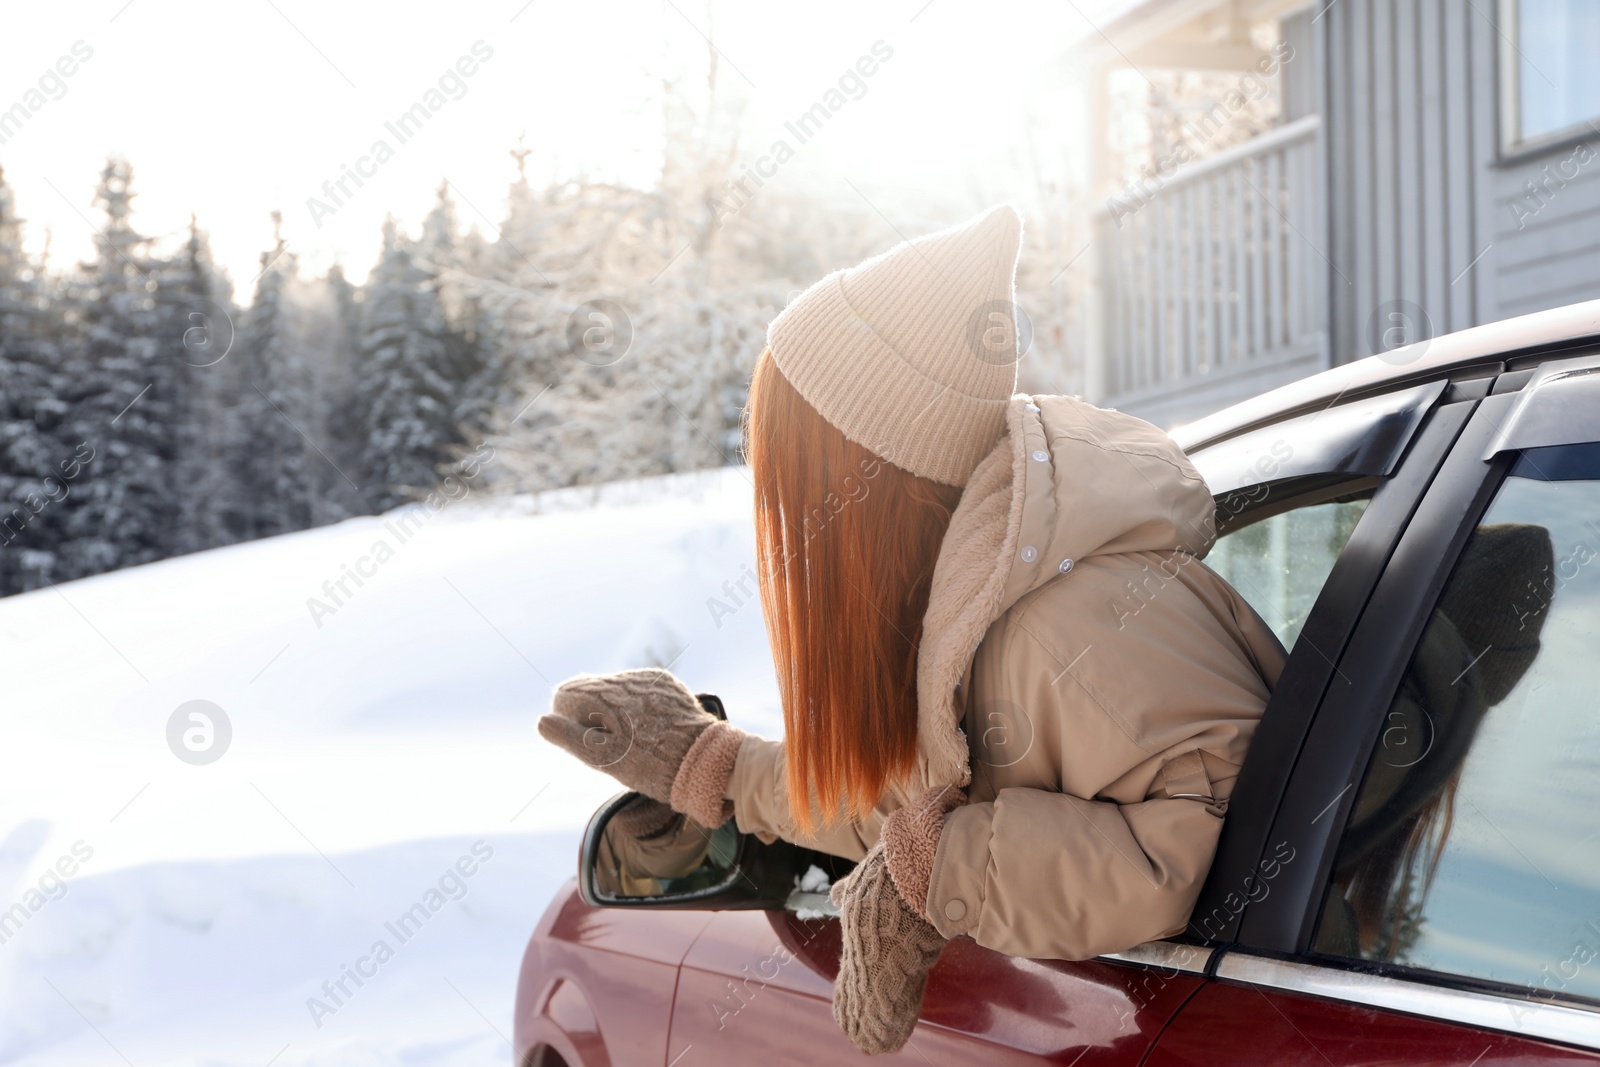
{"x":847,"y":544}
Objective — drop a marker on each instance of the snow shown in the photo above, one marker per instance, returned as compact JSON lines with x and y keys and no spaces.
{"x":206,"y":905}
{"x":810,"y":898}
{"x":815,"y":880}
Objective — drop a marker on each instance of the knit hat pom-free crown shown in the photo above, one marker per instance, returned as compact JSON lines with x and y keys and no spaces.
{"x":913,"y":353}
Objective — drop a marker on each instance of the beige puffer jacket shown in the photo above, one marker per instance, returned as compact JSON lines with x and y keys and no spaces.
{"x":1091,"y":682}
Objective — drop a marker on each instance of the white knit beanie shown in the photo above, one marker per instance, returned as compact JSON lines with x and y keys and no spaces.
{"x":913,"y":353}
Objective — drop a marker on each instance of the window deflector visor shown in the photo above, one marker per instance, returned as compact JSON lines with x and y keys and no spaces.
{"x":1364,"y":437}
{"x":1561,"y":406}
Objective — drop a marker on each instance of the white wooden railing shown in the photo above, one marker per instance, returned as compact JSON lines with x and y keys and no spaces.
{"x":1215,"y":285}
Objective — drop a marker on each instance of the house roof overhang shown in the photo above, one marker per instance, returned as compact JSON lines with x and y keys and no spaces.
{"x":1179,"y":34}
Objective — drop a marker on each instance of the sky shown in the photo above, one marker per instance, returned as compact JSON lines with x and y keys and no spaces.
{"x":231,"y":110}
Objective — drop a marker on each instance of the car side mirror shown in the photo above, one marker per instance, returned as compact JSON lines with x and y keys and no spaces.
{"x":639,"y":853}
{"x":677,"y":863}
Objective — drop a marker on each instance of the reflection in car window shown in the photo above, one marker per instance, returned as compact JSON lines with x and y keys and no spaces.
{"x":1473,"y":847}
{"x":1279,"y":564}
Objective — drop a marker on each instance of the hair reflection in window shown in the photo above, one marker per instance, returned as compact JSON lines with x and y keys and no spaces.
{"x":1480,"y":641}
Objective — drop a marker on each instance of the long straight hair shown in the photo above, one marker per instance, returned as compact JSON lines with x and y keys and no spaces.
{"x":846,"y":544}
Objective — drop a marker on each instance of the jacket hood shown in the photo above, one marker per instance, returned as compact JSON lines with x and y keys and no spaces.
{"x":1066,"y":481}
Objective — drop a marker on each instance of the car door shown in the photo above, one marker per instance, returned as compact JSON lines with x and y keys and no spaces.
{"x":1443,"y":905}
{"x":757,"y":986}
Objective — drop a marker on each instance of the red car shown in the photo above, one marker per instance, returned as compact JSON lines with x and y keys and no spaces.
{"x":1410,"y":871}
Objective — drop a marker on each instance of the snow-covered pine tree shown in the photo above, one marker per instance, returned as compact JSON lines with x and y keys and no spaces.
{"x":32,"y":484}
{"x":329,"y":311}
{"x":198,"y":337}
{"x":409,"y":414}
{"x":695,"y":297}
{"x":121,"y":391}
{"x":270,"y":454}
{"x":476,"y":365}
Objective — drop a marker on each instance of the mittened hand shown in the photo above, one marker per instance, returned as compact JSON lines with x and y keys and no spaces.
{"x":884,"y":961}
{"x":646,"y":730}
{"x":644,"y":819}
{"x":636,"y":726}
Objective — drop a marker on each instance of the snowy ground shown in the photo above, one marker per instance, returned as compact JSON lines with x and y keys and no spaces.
{"x":207,"y":904}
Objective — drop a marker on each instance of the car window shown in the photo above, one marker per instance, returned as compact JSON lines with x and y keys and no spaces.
{"x":1279,"y":564}
{"x":1473,"y":846}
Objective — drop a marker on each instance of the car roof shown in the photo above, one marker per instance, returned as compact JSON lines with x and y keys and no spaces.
{"x":1438,"y":357}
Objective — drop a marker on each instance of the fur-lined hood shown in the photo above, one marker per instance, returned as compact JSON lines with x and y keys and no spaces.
{"x":1067,"y":481}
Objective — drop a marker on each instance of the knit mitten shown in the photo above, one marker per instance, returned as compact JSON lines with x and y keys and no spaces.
{"x":910,"y":839}
{"x":884,"y":961}
{"x":644,"y":819}
{"x":641,"y":727}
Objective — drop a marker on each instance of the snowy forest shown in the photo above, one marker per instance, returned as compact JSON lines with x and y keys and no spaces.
{"x":144,"y":413}
{"x":151,"y":406}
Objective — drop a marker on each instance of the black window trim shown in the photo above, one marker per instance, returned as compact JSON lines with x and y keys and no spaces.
{"x":1289,"y":495}
{"x":1247,"y":835}
{"x":1363,"y":436}
{"x":1558,"y":405}
{"x":1346,"y":724}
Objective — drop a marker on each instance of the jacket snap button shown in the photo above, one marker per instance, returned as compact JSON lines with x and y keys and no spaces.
{"x":1040,"y":455}
{"x":955,"y":911}
{"x":1029,"y":554}
{"x":1066,"y":566}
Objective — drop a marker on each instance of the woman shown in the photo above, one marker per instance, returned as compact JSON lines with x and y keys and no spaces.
{"x":1010,"y":688}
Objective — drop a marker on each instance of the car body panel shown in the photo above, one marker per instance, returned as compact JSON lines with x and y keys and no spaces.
{"x":597,"y":984}
{"x":758,"y":987}
{"x":1245,"y":1026}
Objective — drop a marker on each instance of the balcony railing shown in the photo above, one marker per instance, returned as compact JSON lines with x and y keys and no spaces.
{"x":1213,"y":288}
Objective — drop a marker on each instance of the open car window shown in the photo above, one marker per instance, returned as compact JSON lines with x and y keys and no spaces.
{"x":1473,"y":847}
{"x":1279,"y":564}
{"x":1289,"y":496}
